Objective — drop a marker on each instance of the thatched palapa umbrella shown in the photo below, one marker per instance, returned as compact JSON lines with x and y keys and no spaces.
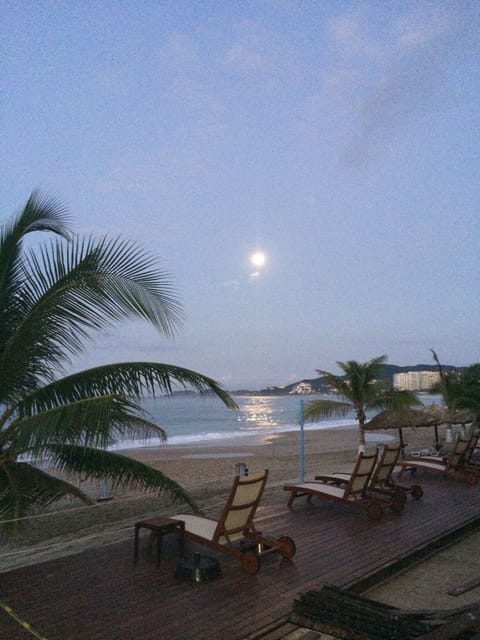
{"x":388,"y":419}
{"x":429,"y":416}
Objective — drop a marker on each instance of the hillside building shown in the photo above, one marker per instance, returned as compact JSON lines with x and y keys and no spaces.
{"x":416,"y":380}
{"x":302,"y":389}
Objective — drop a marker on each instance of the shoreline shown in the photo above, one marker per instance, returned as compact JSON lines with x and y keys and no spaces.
{"x":254,"y":439}
{"x":214,"y":439}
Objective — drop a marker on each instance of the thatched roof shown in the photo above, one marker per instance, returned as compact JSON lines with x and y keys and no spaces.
{"x":433,"y":414}
{"x":428,"y":416}
{"x":389,"y":419}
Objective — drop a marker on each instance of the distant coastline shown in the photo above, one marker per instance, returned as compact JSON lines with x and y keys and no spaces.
{"x":314,"y":386}
{"x":318,"y":386}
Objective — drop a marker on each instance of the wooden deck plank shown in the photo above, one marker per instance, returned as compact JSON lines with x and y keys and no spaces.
{"x":101,"y":595}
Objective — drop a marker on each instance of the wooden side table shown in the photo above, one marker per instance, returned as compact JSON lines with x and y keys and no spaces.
{"x":159,"y":526}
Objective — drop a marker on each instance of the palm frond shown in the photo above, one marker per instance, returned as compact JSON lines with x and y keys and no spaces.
{"x":68,"y":292}
{"x":325,"y":408}
{"x":24,"y":487}
{"x":131,"y":279}
{"x":118,"y":470}
{"x":437,"y":362}
{"x":372,"y":391}
{"x":395,"y":399}
{"x":95,"y":422}
{"x":40,"y":213}
{"x":131,"y":379}
{"x":464,"y":392}
{"x":449,"y":386}
{"x":338,"y":384}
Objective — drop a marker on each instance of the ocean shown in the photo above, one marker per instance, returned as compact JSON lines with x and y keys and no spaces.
{"x":192,"y":419}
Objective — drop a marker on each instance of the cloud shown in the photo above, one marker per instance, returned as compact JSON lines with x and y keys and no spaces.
{"x":421,"y":28}
{"x":395,"y":76}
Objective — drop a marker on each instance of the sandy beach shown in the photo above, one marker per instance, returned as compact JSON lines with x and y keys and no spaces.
{"x":205,"y":471}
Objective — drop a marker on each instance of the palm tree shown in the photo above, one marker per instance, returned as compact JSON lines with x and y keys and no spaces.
{"x":469,"y":392}
{"x":52,"y":299}
{"x":361,"y":389}
{"x":459,"y":390}
{"x":448,"y":384}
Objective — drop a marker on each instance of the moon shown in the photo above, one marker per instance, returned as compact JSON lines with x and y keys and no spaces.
{"x":258,"y":259}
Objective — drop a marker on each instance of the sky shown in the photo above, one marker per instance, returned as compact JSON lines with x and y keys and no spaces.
{"x":340,"y":139}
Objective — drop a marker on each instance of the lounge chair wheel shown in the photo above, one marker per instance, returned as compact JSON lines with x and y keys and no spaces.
{"x":397,"y":505}
{"x":400,"y":495}
{"x":375,"y":511}
{"x":287,"y":547}
{"x":417,"y":492}
{"x":250,"y":562}
{"x":471,"y":478}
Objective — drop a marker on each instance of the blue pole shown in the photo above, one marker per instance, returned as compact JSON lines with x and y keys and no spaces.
{"x":302,"y":444}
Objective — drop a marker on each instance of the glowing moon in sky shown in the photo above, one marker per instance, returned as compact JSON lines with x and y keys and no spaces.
{"x":258,"y":259}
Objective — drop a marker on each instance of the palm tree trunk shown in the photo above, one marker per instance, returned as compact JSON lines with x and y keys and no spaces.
{"x":361,"y":417}
{"x":361,"y":434}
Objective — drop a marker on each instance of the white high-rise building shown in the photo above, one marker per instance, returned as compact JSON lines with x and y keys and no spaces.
{"x":416,"y":380}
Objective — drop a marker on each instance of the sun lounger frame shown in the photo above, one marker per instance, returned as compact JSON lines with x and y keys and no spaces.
{"x":456,"y":465}
{"x":353,"y":493}
{"x":381,"y":483}
{"x":235,"y":533}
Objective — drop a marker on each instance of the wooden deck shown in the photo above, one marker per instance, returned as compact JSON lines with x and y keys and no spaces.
{"x":102,"y":595}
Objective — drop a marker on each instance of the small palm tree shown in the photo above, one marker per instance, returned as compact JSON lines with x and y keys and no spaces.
{"x":51,"y":300}
{"x":459,"y":390}
{"x":469,"y":392}
{"x":361,"y":389}
{"x":447,"y":385}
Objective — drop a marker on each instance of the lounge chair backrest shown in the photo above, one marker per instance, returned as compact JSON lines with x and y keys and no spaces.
{"x":472,"y":445}
{"x":361,"y":474}
{"x":241,"y":506}
{"x":385,"y":465}
{"x":457,"y":457}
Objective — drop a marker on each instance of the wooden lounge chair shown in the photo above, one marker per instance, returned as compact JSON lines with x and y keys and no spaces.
{"x":381,"y":481}
{"x":352,"y":493}
{"x":234,"y":532}
{"x":472,"y":448}
{"x":472,"y":461}
{"x":456,"y":465}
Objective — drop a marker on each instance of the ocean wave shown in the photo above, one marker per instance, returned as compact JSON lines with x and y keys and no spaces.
{"x":253,"y":435}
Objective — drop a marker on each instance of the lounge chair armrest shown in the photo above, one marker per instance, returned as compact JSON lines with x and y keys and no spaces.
{"x":334,"y":478}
